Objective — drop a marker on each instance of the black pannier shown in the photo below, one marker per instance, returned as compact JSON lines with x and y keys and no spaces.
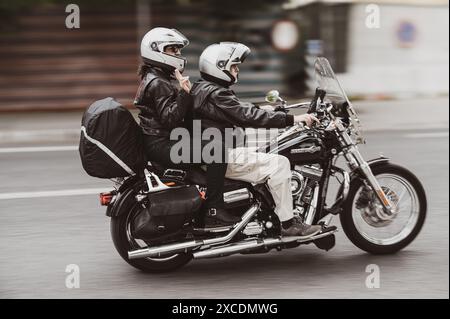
{"x":111,"y":141}
{"x":166,"y":213}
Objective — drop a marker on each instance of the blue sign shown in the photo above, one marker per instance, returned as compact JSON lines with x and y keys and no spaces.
{"x":406,"y":33}
{"x":314,"y":47}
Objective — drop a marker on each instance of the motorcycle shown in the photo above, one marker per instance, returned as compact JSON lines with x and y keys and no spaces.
{"x":382,"y":206}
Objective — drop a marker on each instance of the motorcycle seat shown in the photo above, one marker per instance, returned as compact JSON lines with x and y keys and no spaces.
{"x":197,"y":176}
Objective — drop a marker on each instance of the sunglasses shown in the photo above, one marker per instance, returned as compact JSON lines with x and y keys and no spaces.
{"x":173,"y":49}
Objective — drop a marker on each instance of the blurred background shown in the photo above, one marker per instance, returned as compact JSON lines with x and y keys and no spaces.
{"x":46,"y":66}
{"x":391,"y":56}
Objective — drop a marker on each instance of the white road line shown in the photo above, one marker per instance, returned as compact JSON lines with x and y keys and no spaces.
{"x":34,"y":134}
{"x":38,"y":149}
{"x":55,"y":193}
{"x":427,"y":135}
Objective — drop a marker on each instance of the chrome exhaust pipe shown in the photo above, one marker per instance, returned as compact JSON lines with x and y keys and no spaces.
{"x":247,"y":246}
{"x":228,"y":250}
{"x":165,"y":250}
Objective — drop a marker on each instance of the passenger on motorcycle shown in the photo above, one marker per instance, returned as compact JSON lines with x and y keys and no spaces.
{"x":163,"y":107}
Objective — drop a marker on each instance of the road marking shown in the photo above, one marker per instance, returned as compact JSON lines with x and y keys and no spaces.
{"x":36,"y":134}
{"x":54,"y":193}
{"x":427,"y":135}
{"x":38,"y":149}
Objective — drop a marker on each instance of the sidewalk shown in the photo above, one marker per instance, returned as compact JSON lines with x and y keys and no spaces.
{"x":28,"y":129}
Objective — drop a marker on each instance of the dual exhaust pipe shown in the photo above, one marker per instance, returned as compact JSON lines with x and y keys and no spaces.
{"x":221,"y":251}
{"x":251,"y":245}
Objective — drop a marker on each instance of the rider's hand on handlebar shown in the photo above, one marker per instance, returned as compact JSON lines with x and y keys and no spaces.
{"x":307,"y":118}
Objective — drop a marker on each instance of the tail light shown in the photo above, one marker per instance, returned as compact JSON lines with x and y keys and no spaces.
{"x":106,"y":198}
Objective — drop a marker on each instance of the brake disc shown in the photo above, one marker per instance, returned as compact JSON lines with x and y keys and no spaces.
{"x":372,"y":210}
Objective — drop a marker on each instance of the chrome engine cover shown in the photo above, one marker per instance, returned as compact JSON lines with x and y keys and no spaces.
{"x":253,"y":228}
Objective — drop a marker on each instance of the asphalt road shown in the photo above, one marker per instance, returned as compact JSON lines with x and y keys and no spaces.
{"x":40,"y":236}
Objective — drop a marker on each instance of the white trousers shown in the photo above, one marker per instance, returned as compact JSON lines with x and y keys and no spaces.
{"x":247,"y":165}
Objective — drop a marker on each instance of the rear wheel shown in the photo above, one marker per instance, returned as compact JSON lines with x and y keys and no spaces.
{"x":367,"y":225}
{"x":124,"y":242}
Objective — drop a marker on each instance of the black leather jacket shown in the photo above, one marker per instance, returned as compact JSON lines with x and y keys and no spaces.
{"x":218,"y":107}
{"x":162,"y":107}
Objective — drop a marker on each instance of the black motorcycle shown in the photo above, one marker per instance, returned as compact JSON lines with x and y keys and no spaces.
{"x":381,"y":205}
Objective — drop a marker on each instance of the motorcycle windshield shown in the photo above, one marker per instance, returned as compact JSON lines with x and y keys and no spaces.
{"x":326,"y":79}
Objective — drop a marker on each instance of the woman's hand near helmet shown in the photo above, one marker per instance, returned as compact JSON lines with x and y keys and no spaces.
{"x":185,"y":84}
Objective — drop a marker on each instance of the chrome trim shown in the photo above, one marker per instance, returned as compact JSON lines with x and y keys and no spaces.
{"x":253,"y":228}
{"x":311,"y":172}
{"x":345,"y":184}
{"x":154,"y":188}
{"x":228,"y":250}
{"x":236,"y":195}
{"x":300,"y":179}
{"x":290,"y":143}
{"x":311,"y":149}
{"x":181,"y":173}
{"x":312,"y":206}
{"x":164,"y":250}
{"x":245,"y":219}
{"x":248,"y":245}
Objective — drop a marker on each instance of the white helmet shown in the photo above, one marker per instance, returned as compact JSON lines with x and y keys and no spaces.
{"x":216,"y":61}
{"x":153,"y":44}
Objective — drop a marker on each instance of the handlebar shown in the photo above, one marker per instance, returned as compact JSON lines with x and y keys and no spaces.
{"x":297,"y":105}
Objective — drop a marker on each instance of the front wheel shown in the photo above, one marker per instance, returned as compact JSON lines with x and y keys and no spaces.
{"x":124,"y":242}
{"x":367,"y":225}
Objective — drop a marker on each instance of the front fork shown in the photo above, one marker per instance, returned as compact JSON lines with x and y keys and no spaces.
{"x":355,"y":159}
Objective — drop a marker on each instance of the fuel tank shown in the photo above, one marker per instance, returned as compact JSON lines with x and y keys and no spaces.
{"x":300,"y":148}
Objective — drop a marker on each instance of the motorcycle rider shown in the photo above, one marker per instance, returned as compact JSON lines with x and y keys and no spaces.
{"x":217,"y":106}
{"x":163,"y":107}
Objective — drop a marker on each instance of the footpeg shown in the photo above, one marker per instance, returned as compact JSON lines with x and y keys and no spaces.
{"x":326,"y":229}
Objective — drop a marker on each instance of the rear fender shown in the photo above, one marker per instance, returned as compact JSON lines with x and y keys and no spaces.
{"x":125,"y":196}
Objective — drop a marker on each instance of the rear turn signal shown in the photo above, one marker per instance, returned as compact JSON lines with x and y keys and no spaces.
{"x":106,"y":198}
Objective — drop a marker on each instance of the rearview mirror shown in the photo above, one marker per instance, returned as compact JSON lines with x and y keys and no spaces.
{"x":272,"y":96}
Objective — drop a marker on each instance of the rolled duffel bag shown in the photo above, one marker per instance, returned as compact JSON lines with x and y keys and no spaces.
{"x":111,"y":141}
{"x":167,"y":212}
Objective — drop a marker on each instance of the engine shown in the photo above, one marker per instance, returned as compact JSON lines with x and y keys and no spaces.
{"x":303,"y":183}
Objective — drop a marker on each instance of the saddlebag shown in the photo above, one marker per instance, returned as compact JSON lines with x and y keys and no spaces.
{"x":167,"y":212}
{"x":110,"y":141}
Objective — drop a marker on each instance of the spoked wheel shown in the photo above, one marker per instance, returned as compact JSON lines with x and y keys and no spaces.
{"x":369,"y":227}
{"x":124,"y":242}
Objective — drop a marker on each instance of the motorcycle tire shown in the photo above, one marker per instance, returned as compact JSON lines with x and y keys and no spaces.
{"x":347,"y":215}
{"x":123,"y":244}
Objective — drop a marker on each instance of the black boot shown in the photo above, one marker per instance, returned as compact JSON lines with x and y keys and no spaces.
{"x":219,"y":217}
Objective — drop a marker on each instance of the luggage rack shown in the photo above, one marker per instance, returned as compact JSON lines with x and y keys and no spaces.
{"x":153,"y":182}
{"x":175,"y":173}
